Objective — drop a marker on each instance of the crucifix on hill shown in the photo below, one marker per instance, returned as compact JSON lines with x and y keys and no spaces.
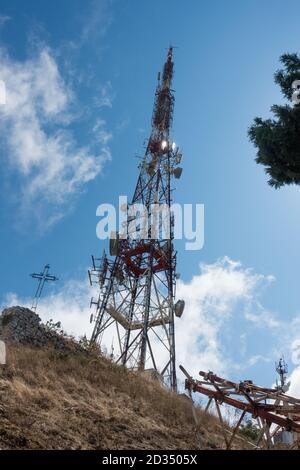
{"x":42,"y":277}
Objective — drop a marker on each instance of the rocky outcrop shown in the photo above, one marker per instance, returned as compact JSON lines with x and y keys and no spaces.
{"x":22,"y":325}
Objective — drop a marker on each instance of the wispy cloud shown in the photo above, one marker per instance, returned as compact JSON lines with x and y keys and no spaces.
{"x":262,"y":318}
{"x":92,"y":25}
{"x":97,"y":20}
{"x":4,"y":19}
{"x":105,"y":96}
{"x":123,"y":124}
{"x":100,"y":132}
{"x":41,"y":149}
{"x":253,"y":360}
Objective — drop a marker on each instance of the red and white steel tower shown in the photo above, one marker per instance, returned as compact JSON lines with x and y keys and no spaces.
{"x":136,"y":304}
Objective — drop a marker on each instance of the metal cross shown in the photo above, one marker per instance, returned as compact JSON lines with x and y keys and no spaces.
{"x":43,"y":277}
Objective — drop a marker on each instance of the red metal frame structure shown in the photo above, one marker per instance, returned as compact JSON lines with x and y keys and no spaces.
{"x":274,"y":410}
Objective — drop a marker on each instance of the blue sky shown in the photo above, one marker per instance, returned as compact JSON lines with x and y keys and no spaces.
{"x":83,"y":76}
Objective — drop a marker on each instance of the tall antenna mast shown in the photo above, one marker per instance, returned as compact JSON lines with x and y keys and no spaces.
{"x":42,"y":277}
{"x":136,"y":303}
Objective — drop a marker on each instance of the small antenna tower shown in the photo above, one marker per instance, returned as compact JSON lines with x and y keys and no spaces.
{"x":112,"y":350}
{"x":42,"y":277}
{"x":282,"y":370}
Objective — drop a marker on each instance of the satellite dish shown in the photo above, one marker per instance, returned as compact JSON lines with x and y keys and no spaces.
{"x":2,"y":353}
{"x":286,"y":387}
{"x":165,"y":250}
{"x":150,"y":168}
{"x":102,"y":270}
{"x":120,"y":276}
{"x":114,"y":244}
{"x":178,"y":158}
{"x":124,"y":207}
{"x":177,"y":172}
{"x":179,"y":307}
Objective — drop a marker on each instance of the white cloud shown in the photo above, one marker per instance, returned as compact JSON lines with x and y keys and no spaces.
{"x":216,"y":298}
{"x":291,"y":341}
{"x":51,"y":167}
{"x":212,"y":298}
{"x":294,"y":378}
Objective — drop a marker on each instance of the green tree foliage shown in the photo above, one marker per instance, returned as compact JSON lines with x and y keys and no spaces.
{"x":278,"y":139}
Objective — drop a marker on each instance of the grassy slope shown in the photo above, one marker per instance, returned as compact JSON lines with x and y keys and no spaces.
{"x":49,"y":401}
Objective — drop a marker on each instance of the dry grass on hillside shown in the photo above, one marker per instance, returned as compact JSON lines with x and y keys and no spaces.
{"x":54,"y":401}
